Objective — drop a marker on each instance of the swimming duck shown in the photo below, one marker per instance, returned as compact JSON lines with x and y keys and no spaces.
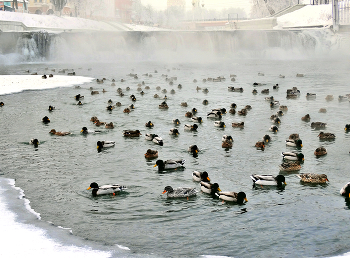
{"x":345,"y":190}
{"x":110,"y":108}
{"x":242,"y":112}
{"x":151,"y":154}
{"x":347,"y":127}
{"x":280,"y":113}
{"x":183,"y":104}
{"x":227,"y":138}
{"x":288,"y":167}
{"x":219,"y":124}
{"x":276,"y":86}
{"x":105,"y":144}
{"x":118,"y":104}
{"x":266,"y":138}
{"x":273,"y":128}
{"x":214,"y":115}
{"x":326,"y":136}
{"x":205,"y":102}
{"x":268,"y":180}
{"x":248,"y":107}
{"x":260,"y":145}
{"x":227,"y":144}
{"x":255,"y":92}
{"x":109,"y":125}
{"x":294,"y":136}
{"x":300,"y":75}
{"x":180,"y":192}
{"x":277,"y":120}
{"x":94,"y":119}
{"x":343,"y":98}
{"x":265,"y":91}
{"x":197,"y":119}
{"x":234,"y":197}
{"x":158,"y":140}
{"x":212,"y":189}
{"x":169,"y":164}
{"x":282,"y":76}
{"x":313,"y":178}
{"x":94,"y":92}
{"x":193,"y":127}
{"x":270,"y":98}
{"x":179,"y":86}
{"x":105,"y":189}
{"x":174,"y":131}
{"x":130,"y":133}
{"x":149,"y":124}
{"x":84,"y":130}
{"x":293,"y":156}
{"x":283,"y":108}
{"x":2,"y":104}
{"x":329,"y":97}
{"x":163,"y":105}
{"x":44,"y":76}
{"x":126,"y":110}
{"x":310,"y":95}
{"x":322,"y":110}
{"x":294,"y":143}
{"x":232,"y":111}
{"x":99,"y":123}
{"x":221,"y":110}
{"x":176,"y":121}
{"x":34,"y":142}
{"x":321,"y":151}
{"x":306,"y":118}
{"x":205,"y":90}
{"x":53,"y":131}
{"x":51,"y":108}
{"x":45,"y":120}
{"x":200,"y":176}
{"x":233,"y":105}
{"x":188,"y":114}
{"x":274,"y":103}
{"x":238,"y":125}
{"x":79,"y":103}
{"x":131,"y":106}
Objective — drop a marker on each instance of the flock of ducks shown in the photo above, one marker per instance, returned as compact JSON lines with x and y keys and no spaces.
{"x":292,"y":160}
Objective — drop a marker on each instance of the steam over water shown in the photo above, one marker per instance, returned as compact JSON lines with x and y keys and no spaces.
{"x":298,"y":221}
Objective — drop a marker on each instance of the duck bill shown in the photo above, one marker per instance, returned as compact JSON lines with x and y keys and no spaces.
{"x":164,"y":192}
{"x":246,"y":199}
{"x":301,"y":145}
{"x":208,"y":179}
{"x":285,"y":183}
{"x":88,"y":188}
{"x":155,"y":165}
{"x":219,"y":189}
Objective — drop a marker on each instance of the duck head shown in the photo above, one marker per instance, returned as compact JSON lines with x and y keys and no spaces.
{"x":241,"y":196}
{"x":46,"y":120}
{"x":84,"y":130}
{"x":93,"y":185}
{"x":280,"y":179}
{"x":205,"y":177}
{"x":168,"y":189}
{"x":160,"y":164}
{"x":35,"y":143}
{"x":99,"y":146}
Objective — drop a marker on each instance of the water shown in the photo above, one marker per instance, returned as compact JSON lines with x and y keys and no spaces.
{"x":299,"y":221}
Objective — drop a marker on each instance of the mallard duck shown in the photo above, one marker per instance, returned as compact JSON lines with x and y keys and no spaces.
{"x":248,"y":107}
{"x":345,"y":191}
{"x":233,"y":105}
{"x":169,"y":164}
{"x":216,"y":115}
{"x":273,"y":128}
{"x":149,"y":124}
{"x":205,"y":102}
{"x":266,"y":138}
{"x":318,"y":125}
{"x":343,"y":98}
{"x":126,"y":110}
{"x":200,"y":176}
{"x":209,"y":188}
{"x":188,"y":114}
{"x":294,"y":136}
{"x":310,"y":95}
{"x":118,"y":104}
{"x":294,"y":143}
{"x":322,"y":110}
{"x":105,"y":189}
{"x":163,"y":105}
{"x":109,"y":125}
{"x":238,"y":125}
{"x":151,"y":154}
{"x":280,"y":113}
{"x":179,"y":86}
{"x":306,"y":118}
{"x":227,"y":138}
{"x":283,"y":108}
{"x":176,"y":121}
{"x":130,"y":133}
{"x":260,"y":145}
{"x":227,"y":144}
{"x":99,"y":123}
{"x":300,"y":75}
{"x":53,"y":131}
{"x":94,"y":119}
{"x":232,"y":111}
{"x":183,"y":104}
{"x":313,"y":178}
{"x":288,"y":167}
{"x":180,"y":192}
{"x":219,"y":124}
{"x":293,"y":156}
{"x":197,"y":119}
{"x":51,"y":108}
{"x":234,"y":197}
{"x":193,"y":127}
{"x":265,"y":91}
{"x":155,"y":96}
{"x":282,"y":76}
{"x":132,"y":106}
{"x":347,"y":127}
{"x":45,"y":120}
{"x":174,"y":131}
{"x":268,"y":180}
{"x":274,"y":103}
{"x":327,"y":136}
{"x":329,"y":97}
{"x":34,"y":142}
{"x":321,"y":151}
{"x":221,"y":110}
{"x":242,"y":112}
{"x":255,"y":91}
{"x":94,"y":92}
{"x":2,"y":104}
{"x":270,"y":98}
{"x":193,"y":149}
{"x":277,"y":120}
{"x":105,"y":144}
{"x":276,"y":86}
{"x":84,"y":130}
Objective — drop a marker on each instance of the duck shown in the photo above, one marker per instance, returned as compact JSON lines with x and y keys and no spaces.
{"x":193,"y":127}
{"x":306,"y":118}
{"x":131,"y":133}
{"x":329,"y":97}
{"x":242,"y":112}
{"x":105,"y":144}
{"x":149,"y":124}
{"x":343,"y":98}
{"x":84,"y":130}
{"x":345,"y":190}
{"x":193,"y":149}
{"x":232,"y":111}
{"x":219,"y":124}
{"x":233,"y":105}
{"x":109,"y":107}
{"x":293,"y":156}
{"x":197,"y":119}
{"x":53,"y":131}
{"x":318,"y":125}
{"x":183,"y":104}
{"x":288,"y":167}
{"x":109,"y":125}
{"x":176,"y":121}
{"x":294,"y":143}
{"x":310,"y":95}
{"x":174,"y":131}
{"x":205,"y":102}
{"x":126,"y":110}
{"x":274,"y":103}
{"x":34,"y":142}
{"x":347,"y":127}
{"x":180,"y":192}
{"x":294,"y":136}
{"x":248,"y":107}
{"x":234,"y":197}
{"x":155,"y":96}
{"x":273,"y":128}
{"x":227,"y":144}
{"x":93,"y":119}
{"x":99,"y":123}
{"x":214,"y":115}
{"x":265,"y":91}
{"x":212,"y":189}
{"x":300,"y":75}
{"x":320,"y":151}
{"x":2,"y":104}
{"x":221,"y":110}
{"x":205,"y":90}
{"x":255,"y":91}
{"x":44,"y":76}
{"x":277,"y":120}
{"x":276,"y":86}
{"x":79,"y":103}
{"x":163,"y":105}
{"x":268,"y":180}
{"x":51,"y":108}
{"x":151,"y":154}
{"x":169,"y":164}
{"x":188,"y":114}
{"x":313,"y":178}
{"x":322,"y":110}
{"x":260,"y":145}
{"x":118,"y":104}
{"x":200,"y":176}
{"x":283,"y":108}
{"x":282,"y":76}
{"x":45,"y":120}
{"x":326,"y":136}
{"x":269,"y":98}
{"x":238,"y":125}
{"x":132,"y":106}
{"x":105,"y":189}
{"x":280,"y":113}
{"x":266,"y":138}
{"x":227,"y":138}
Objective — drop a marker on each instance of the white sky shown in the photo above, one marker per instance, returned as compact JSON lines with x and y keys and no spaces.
{"x":210,"y":4}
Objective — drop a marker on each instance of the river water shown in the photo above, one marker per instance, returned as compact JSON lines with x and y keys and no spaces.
{"x":297,"y":221}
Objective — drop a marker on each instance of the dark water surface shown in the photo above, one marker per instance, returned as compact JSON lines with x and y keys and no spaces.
{"x":298,"y":221}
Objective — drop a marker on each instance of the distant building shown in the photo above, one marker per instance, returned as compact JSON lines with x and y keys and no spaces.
{"x":41,"y":7}
{"x":8,"y":6}
{"x":123,"y":10}
{"x":176,"y":3}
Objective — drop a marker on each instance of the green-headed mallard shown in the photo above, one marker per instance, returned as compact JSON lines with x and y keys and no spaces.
{"x":200,"y":176}
{"x":105,"y":189}
{"x":234,"y":197}
{"x":345,"y":190}
{"x":268,"y":180}
{"x":169,"y":164}
{"x":293,"y":156}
